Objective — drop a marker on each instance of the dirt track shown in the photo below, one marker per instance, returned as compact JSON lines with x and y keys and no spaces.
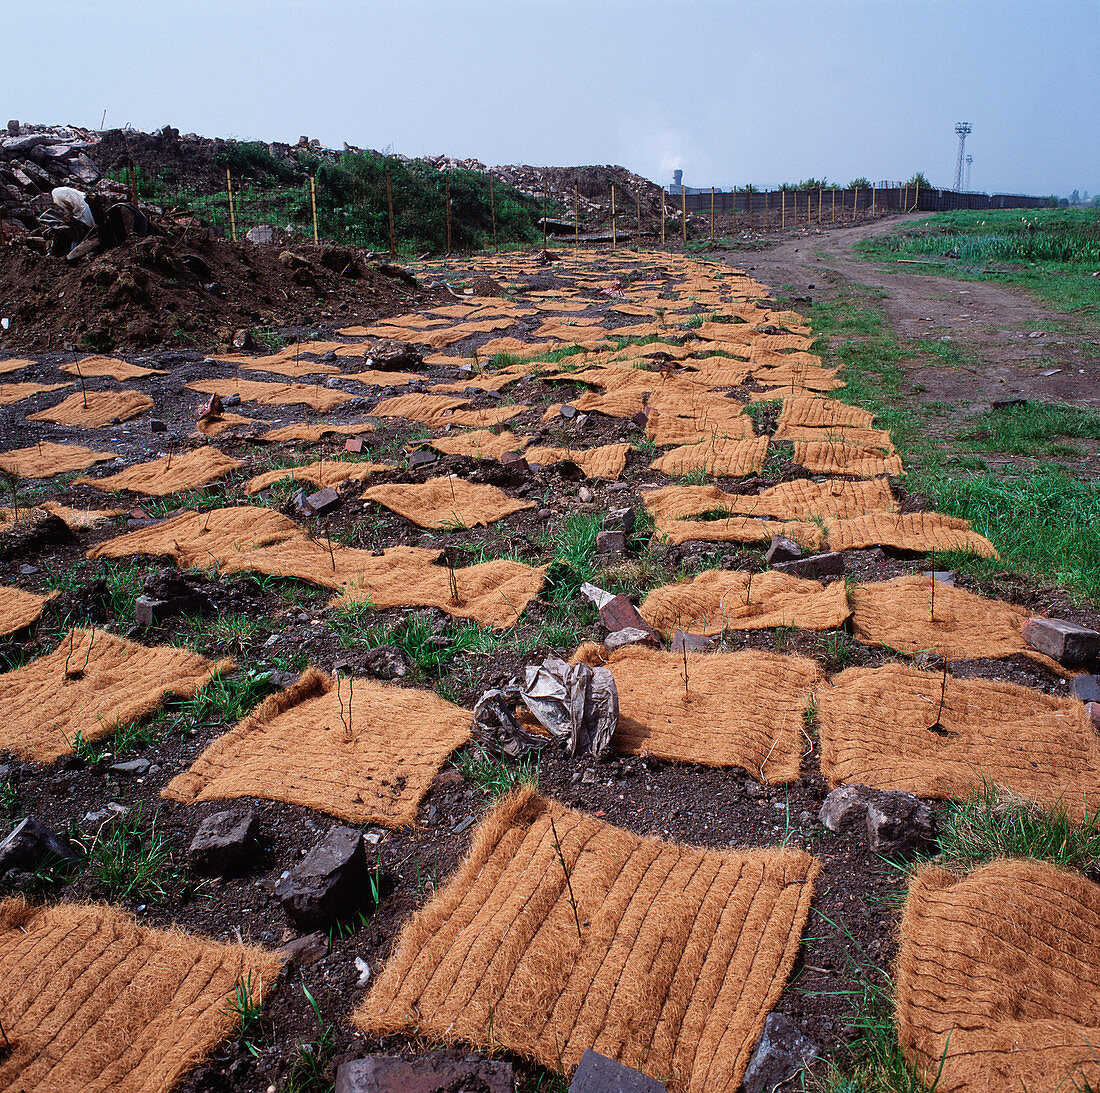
{"x":1012,"y":336}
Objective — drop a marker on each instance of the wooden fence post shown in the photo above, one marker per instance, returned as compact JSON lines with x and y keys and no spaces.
{"x":662,"y":216}
{"x":638,"y":202}
{"x":313,"y":203}
{"x":232,"y":214}
{"x":712,"y":214}
{"x":767,"y":217}
{"x":819,"y":196}
{"x":783,"y":213}
{"x":389,"y":208}
{"x":684,"y":212}
{"x":447,"y":199}
{"x":614,"y":237}
{"x":916,"y":200}
{"x":855,"y":202}
{"x":493,"y":212}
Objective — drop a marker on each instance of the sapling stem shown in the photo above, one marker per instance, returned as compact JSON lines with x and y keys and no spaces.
{"x":568,"y":878}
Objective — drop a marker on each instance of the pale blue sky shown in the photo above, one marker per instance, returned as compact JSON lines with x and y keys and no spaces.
{"x":732,"y":92}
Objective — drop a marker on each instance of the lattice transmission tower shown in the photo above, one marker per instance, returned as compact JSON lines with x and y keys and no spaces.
{"x":962,"y":129}
{"x":969,"y":160}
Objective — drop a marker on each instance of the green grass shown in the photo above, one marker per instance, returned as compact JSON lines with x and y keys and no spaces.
{"x":1050,"y":253}
{"x":311,"y":1070}
{"x":994,"y":823}
{"x":495,"y":775}
{"x":129,"y":857}
{"x":1032,"y":429}
{"x":226,"y":698}
{"x":574,"y":546}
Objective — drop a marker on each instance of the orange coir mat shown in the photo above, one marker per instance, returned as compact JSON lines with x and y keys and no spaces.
{"x":217,"y":424}
{"x":94,"y":1002}
{"x":11,"y":393}
{"x":319,"y":474}
{"x":354,"y":748}
{"x":888,"y":728}
{"x":95,"y":409}
{"x":718,"y":456}
{"x":76,"y":519}
{"x":921,"y":531}
{"x":718,"y":600}
{"x":170,"y":473}
{"x":447,"y":502}
{"x":479,"y":444}
{"x":916,"y":615}
{"x":92,"y":683}
{"x":47,"y":459}
{"x":605,"y":461}
{"x":19,"y":609}
{"x":799,"y":499}
{"x":309,"y":434}
{"x":998,"y":977}
{"x":321,"y":399}
{"x":560,"y":933}
{"x":823,"y":413}
{"x":111,"y":367}
{"x":739,"y":529}
{"x":862,"y":460}
{"x":740,"y":709}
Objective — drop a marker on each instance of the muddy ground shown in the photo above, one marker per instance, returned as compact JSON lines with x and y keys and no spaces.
{"x":858,"y":895}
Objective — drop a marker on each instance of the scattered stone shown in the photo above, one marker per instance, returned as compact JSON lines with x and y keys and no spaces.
{"x":944,"y":576}
{"x":629,"y":635}
{"x":242,"y":339}
{"x":1064,"y":641}
{"x":623,"y":520}
{"x":390,"y":354}
{"x":158,"y":426}
{"x":568,"y":412}
{"x":427,"y":1074}
{"x":222,"y":842}
{"x":355,"y":446}
{"x":386,"y":662}
{"x":1007,"y":403}
{"x":131,"y":768}
{"x":233,"y":399}
{"x":167,"y":593}
{"x":693,"y":643}
{"x":610,"y":542}
{"x":1093,"y":709}
{"x":305,"y":950}
{"x":151,"y":612}
{"x":617,"y":487}
{"x":261,"y":233}
{"x":364,"y":973}
{"x":814,"y":566}
{"x":896,"y":823}
{"x":641,"y":419}
{"x":595,"y":595}
{"x":28,"y":570}
{"x":29,"y":844}
{"x":585,"y":496}
{"x":1086,"y":688}
{"x":781,"y":1052}
{"x":782,"y":549}
{"x":618,"y":613}
{"x":463,"y":825}
{"x":329,"y":883}
{"x":322,"y":501}
{"x":597,"y":1073}
{"x":900,"y":825}
{"x":844,"y":810}
{"x":422,"y":457}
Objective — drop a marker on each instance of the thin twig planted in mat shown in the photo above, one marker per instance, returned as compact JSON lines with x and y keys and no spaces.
{"x":568,"y":878}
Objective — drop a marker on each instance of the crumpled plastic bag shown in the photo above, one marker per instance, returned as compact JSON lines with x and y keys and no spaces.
{"x":576,"y":704}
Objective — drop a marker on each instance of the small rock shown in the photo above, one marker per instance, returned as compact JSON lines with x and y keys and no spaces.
{"x":620,"y":520}
{"x":781,"y":1052}
{"x":29,"y":844}
{"x":693,"y":643}
{"x":355,"y":445}
{"x":1066,"y":642}
{"x":1086,"y":688}
{"x":641,"y":419}
{"x":233,"y":399}
{"x":222,"y":842}
{"x":585,"y":496}
{"x":364,"y":973}
{"x":422,"y":457}
{"x":158,"y":426}
{"x":844,"y":810}
{"x":597,"y":1073}
{"x":782,"y":549}
{"x":595,"y":596}
{"x":261,"y":233}
{"x":943,"y":576}
{"x":589,"y":778}
{"x":242,"y":339}
{"x":629,"y":635}
{"x":386,"y":662}
{"x":305,"y":950}
{"x":1093,"y":710}
{"x":436,"y":1073}
{"x":610,"y":542}
{"x":322,"y":501}
{"x":899,"y":824}
{"x":28,"y":570}
{"x":132,"y":768}
{"x":329,"y":883}
{"x":618,"y":613}
{"x":462,"y":825}
{"x":814,"y":566}
{"x":568,"y":412}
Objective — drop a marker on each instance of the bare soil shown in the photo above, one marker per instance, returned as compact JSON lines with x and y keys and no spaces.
{"x":858,"y":895}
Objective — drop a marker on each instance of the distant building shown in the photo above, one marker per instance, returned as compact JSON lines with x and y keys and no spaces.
{"x":677,"y":186}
